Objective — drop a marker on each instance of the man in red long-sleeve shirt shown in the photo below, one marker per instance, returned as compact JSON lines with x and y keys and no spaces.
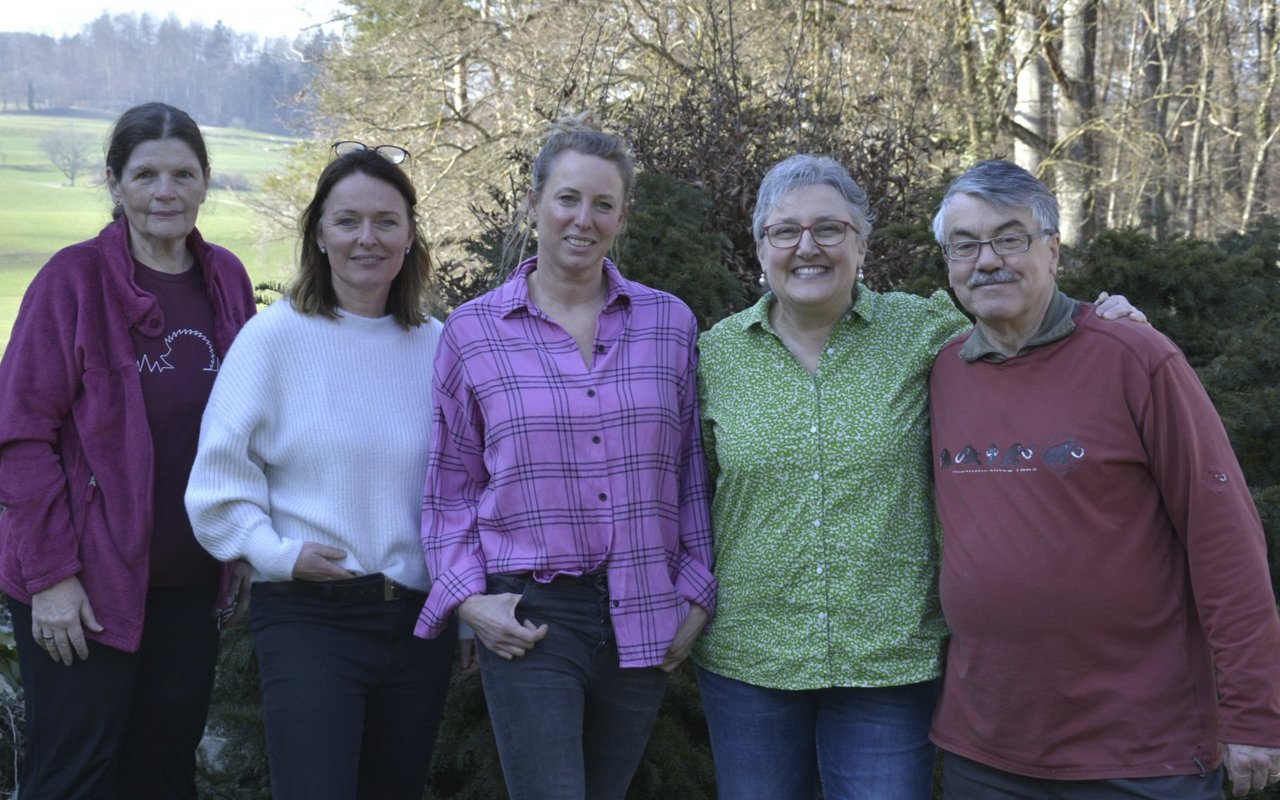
{"x":1104,"y":568}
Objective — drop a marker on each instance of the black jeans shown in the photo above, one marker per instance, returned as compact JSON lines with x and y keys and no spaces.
{"x":352,"y":699}
{"x":121,"y":724}
{"x":571,"y":724}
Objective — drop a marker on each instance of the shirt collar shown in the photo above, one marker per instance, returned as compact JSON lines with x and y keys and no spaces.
{"x":513,"y":295}
{"x":866,"y":304}
{"x":1058,"y":322}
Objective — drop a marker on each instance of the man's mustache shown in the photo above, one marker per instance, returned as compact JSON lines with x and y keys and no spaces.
{"x":987,"y":278}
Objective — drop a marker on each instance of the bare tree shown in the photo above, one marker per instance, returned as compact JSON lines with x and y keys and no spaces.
{"x":1029,"y":109}
{"x":1076,"y":156}
{"x":69,"y":152}
{"x":1265,"y":127}
{"x":1158,"y":114}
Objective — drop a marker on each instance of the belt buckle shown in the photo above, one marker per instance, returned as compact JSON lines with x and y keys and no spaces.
{"x":388,"y":589}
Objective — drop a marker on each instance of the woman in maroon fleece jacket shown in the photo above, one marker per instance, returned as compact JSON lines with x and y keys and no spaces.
{"x":102,"y":386}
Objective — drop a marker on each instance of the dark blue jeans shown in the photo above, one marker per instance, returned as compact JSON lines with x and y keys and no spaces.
{"x":864,"y":743}
{"x":971,"y":780}
{"x":570,"y":723}
{"x":121,"y":724}
{"x":352,"y":699}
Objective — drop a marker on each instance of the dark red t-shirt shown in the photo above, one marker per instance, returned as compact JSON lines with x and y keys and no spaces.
{"x":177,"y":370}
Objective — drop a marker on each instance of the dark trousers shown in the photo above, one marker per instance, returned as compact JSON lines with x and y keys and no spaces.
{"x":570,"y":723}
{"x":352,"y":699}
{"x":963,"y":778}
{"x":121,"y":725}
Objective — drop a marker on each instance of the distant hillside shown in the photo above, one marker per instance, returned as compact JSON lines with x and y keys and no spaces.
{"x":217,"y":75}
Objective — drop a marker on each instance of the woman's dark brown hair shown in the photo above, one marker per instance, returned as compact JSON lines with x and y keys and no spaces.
{"x":312,"y":290}
{"x":147,"y":123}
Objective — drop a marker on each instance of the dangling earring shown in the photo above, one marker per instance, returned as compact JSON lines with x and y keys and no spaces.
{"x":323,"y":250}
{"x":859,"y":276}
{"x":407,"y":249}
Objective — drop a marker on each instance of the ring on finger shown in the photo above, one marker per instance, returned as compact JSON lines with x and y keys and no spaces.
{"x":48,"y":637}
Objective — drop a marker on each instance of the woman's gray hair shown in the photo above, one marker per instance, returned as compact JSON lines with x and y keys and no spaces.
{"x":801,"y":171}
{"x":1004,"y":185}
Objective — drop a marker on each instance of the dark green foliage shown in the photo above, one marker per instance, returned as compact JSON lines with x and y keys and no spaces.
{"x":1197,"y":292}
{"x":677,"y":761}
{"x":459,"y":281}
{"x":240,"y":770}
{"x":266,"y":293}
{"x":722,"y":136}
{"x":669,"y":245}
{"x":466,"y":766}
{"x":924,"y":275}
{"x":12,"y":712}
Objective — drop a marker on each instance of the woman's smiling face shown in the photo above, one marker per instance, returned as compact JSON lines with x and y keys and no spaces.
{"x":578,"y":213}
{"x":365,"y":230}
{"x":809,"y":278}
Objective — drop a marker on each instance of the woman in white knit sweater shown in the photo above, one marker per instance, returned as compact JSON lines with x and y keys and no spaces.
{"x":312,"y":456}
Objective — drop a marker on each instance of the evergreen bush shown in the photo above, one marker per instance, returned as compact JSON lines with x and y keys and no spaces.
{"x":669,"y":244}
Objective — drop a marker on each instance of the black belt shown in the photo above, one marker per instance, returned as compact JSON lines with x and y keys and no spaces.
{"x":375,"y":588}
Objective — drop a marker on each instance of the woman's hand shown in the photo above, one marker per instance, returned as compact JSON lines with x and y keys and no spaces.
{"x":238,"y":592}
{"x":1114,"y":306}
{"x":686,"y":635}
{"x":493,"y":616}
{"x":318,"y":562}
{"x":59,"y":616}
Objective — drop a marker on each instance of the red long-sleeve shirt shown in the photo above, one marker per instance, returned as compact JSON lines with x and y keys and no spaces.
{"x":1101,"y":558}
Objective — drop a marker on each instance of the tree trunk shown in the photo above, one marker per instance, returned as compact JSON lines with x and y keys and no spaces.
{"x":1076,"y":154}
{"x":1264,"y":131}
{"x":1028,"y":110}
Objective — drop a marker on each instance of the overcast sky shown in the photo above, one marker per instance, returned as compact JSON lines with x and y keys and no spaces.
{"x":261,"y":17}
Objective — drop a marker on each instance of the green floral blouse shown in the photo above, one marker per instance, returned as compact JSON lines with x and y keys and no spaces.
{"x":825,"y":534}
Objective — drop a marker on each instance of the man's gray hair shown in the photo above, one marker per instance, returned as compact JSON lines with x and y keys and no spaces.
{"x":1003,"y":185}
{"x":801,"y":171}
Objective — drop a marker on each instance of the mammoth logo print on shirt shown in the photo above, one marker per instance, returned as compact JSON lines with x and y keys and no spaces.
{"x":1062,"y":454}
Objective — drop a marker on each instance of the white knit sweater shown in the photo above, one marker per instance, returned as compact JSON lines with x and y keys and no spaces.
{"x":317,"y":430}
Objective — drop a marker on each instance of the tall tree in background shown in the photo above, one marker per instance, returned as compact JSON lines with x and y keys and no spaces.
{"x":1030,"y":126}
{"x":1265,"y":120}
{"x":1076,"y":155}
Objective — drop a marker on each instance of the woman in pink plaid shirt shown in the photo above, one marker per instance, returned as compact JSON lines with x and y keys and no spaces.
{"x":565,"y":514}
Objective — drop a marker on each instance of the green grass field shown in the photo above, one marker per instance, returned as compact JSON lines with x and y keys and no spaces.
{"x":40,"y":213}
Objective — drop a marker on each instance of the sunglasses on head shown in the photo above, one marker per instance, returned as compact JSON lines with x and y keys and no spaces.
{"x":392,"y":153}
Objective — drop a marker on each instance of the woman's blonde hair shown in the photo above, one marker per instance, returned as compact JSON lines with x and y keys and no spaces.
{"x":578,"y":133}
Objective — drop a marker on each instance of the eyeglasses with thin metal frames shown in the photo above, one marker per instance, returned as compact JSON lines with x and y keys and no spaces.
{"x":787,"y":235}
{"x":1007,"y":244}
{"x":393,"y":153}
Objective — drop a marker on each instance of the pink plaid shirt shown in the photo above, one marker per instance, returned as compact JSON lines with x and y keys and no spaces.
{"x":542,"y":465}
